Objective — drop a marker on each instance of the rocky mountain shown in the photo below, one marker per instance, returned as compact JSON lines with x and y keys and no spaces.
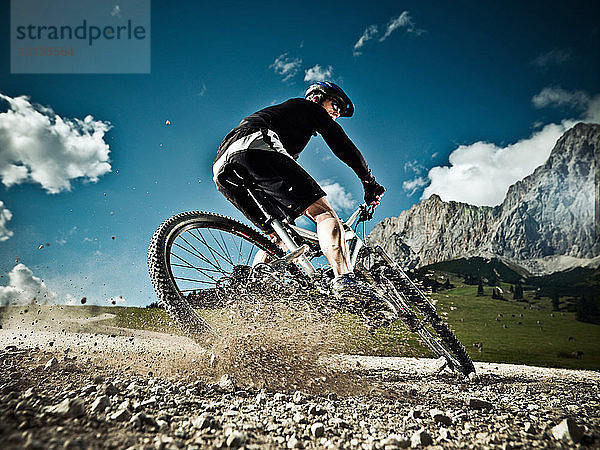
{"x":549,"y":221}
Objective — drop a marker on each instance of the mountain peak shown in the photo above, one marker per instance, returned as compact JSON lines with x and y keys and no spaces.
{"x":549,"y":218}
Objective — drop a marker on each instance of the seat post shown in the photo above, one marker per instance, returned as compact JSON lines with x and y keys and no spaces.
{"x":268,"y":217}
{"x":284,"y":236}
{"x":291,"y":245}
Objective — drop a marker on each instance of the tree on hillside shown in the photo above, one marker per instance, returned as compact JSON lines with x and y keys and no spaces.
{"x":555,"y":302}
{"x":497,"y":294}
{"x":518,"y":291}
{"x":480,"y":288}
{"x":154,"y":305}
{"x":447,"y":284}
{"x":587,"y":308}
{"x":493,"y":279}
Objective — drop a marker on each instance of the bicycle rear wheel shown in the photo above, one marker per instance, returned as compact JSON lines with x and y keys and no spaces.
{"x":192,"y":255}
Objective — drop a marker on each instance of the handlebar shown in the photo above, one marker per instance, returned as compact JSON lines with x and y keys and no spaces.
{"x":362,"y":214}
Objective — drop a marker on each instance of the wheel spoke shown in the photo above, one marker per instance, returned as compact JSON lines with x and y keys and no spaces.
{"x":197,"y":255}
{"x":240,"y":249}
{"x":199,"y":270}
{"x":194,"y":280}
{"x":213,"y":252}
{"x":225,"y":246}
{"x":223,"y":249}
{"x":250,"y":253}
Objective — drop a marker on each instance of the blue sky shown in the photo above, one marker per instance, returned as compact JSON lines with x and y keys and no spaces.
{"x":457,"y":98}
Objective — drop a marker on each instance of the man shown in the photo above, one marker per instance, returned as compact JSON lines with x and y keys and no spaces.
{"x":268,"y":142}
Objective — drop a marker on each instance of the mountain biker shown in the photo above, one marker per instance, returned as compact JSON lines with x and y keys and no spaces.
{"x":267,"y":144}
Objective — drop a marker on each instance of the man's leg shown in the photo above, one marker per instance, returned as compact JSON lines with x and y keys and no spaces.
{"x":331,"y":236}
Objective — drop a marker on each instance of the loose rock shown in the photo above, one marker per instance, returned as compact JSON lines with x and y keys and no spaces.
{"x":100,"y":404}
{"x":568,"y":431}
{"x":317,"y":429}
{"x":421,"y":438}
{"x":226,"y":383}
{"x":395,"y":441}
{"x":51,"y":364}
{"x":439,"y":417}
{"x":121,"y":415}
{"x":477,"y":403}
{"x":68,"y":408}
{"x":235,"y":439}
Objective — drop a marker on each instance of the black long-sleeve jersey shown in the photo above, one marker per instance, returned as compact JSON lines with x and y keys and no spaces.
{"x":295,"y":121}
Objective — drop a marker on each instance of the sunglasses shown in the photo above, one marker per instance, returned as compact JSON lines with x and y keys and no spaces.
{"x":336,"y":106}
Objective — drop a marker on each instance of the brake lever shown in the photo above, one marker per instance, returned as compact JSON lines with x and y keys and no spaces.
{"x":366,"y":212}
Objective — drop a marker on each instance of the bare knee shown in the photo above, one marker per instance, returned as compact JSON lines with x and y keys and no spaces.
{"x":321,"y":210}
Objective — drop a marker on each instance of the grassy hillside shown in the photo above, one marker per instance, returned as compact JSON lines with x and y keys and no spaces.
{"x":478,"y":267}
{"x":527,"y":332}
{"x":522,"y":332}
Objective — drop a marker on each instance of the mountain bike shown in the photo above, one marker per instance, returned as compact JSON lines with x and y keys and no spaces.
{"x":197,"y":258}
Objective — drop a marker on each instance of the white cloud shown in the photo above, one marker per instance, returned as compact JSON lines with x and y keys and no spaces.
{"x":286,"y":66}
{"x":336,"y":194}
{"x":481,"y":173}
{"x":25,"y":288}
{"x":414,"y":185}
{"x":593,"y":111}
{"x":419,"y":182}
{"x":578,"y":100}
{"x":41,"y":147}
{"x":554,"y":57}
{"x":318,"y":73}
{"x":413,"y":166}
{"x":556,"y":96}
{"x":403,"y":21}
{"x":369,"y":33}
{"x":5,"y":216}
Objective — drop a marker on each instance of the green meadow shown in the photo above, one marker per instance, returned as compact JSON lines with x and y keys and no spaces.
{"x":508,"y":331}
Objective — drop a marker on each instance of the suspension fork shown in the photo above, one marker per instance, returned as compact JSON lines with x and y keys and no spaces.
{"x":394,"y":265}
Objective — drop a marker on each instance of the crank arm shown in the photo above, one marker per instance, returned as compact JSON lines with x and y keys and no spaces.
{"x":290,"y":257}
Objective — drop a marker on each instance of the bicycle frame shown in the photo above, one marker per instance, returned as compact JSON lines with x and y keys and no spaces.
{"x":297,"y":253}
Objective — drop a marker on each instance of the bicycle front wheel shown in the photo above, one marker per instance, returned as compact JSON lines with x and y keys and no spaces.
{"x":416,"y":311}
{"x":192,"y":255}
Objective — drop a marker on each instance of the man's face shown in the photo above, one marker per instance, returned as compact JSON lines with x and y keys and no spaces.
{"x":331,"y":109}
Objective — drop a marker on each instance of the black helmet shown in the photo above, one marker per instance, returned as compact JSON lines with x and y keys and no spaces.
{"x":329,"y":89}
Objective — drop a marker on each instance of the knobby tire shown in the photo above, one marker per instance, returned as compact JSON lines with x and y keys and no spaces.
{"x":196,"y":226}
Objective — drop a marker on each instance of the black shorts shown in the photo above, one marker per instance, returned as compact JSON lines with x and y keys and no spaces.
{"x":285,"y":188}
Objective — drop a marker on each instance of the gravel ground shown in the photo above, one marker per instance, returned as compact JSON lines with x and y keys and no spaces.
{"x":75,"y":384}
